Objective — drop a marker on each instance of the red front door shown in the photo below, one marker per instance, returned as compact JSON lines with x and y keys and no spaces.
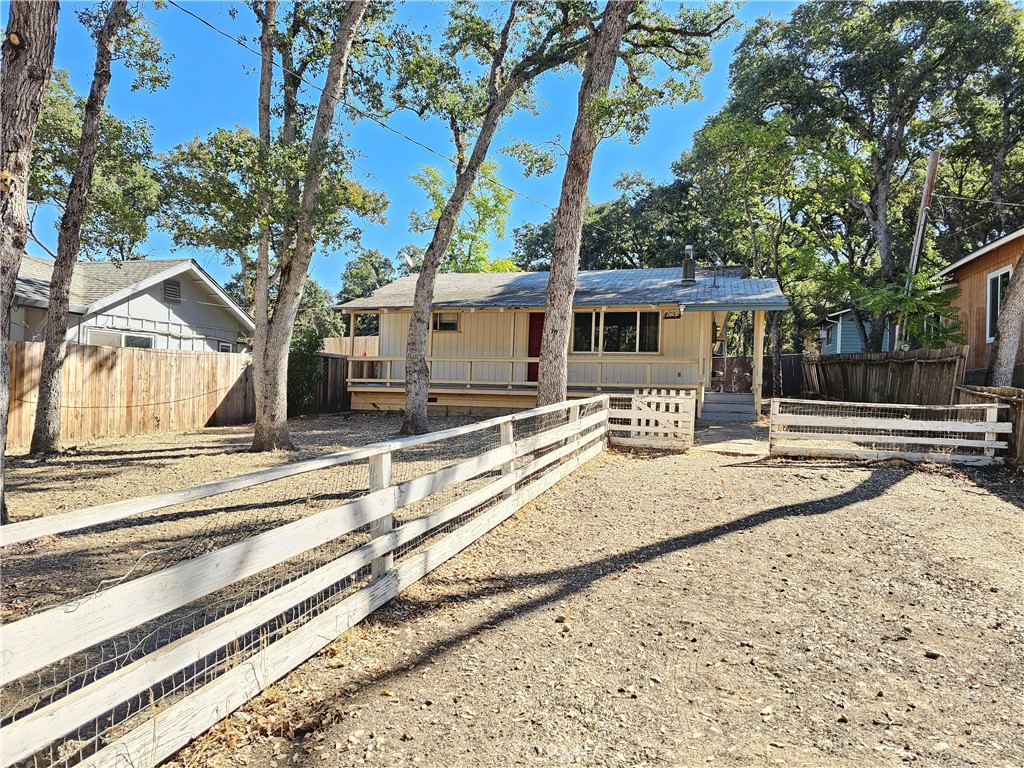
{"x":536,"y":332}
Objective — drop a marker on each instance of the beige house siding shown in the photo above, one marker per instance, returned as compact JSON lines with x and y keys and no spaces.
{"x":487,"y":337}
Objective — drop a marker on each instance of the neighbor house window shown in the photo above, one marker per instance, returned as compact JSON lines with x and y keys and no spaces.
{"x":830,"y":333}
{"x":446,"y":321}
{"x":998,"y":283}
{"x":117,"y":339}
{"x":225,"y":347}
{"x":138,"y":342}
{"x":172,"y":292}
{"x":104,"y":338}
{"x":584,"y":332}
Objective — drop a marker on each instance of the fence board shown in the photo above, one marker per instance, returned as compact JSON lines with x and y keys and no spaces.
{"x":1012,"y":401}
{"x":183,"y":720}
{"x":802,"y":428}
{"x":922,"y":376}
{"x":114,"y":391}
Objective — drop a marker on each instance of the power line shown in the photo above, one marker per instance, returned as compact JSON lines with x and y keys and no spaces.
{"x":979,"y":200}
{"x":378,"y":120}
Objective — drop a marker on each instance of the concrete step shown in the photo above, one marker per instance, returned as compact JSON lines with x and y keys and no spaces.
{"x":726,"y":416}
{"x":729,"y":397}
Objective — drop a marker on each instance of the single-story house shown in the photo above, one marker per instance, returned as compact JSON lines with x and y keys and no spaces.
{"x":982,"y":277}
{"x":839,"y":335}
{"x":150,"y":303}
{"x":632,"y":329}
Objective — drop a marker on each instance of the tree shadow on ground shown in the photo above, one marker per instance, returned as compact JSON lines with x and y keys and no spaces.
{"x":566,"y":582}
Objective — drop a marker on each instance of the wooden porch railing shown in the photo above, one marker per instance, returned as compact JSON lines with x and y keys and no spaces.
{"x":380,"y":370}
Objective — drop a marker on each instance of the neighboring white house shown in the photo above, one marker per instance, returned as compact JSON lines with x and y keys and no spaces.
{"x":839,"y":334}
{"x":151,"y":303}
{"x":632,"y":329}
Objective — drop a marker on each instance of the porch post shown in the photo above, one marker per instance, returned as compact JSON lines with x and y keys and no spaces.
{"x":757,"y":368}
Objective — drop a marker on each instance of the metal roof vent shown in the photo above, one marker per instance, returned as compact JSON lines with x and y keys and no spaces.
{"x":689,"y":266}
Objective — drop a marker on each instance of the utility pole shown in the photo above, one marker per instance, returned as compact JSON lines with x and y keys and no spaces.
{"x":915,"y":251}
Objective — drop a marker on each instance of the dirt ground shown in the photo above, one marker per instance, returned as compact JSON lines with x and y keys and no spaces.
{"x":687,"y":610}
{"x":649,"y":610}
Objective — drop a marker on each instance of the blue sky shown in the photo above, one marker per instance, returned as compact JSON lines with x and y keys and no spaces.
{"x":215,"y":81}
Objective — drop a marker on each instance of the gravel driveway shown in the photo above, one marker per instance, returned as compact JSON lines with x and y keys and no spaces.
{"x":686,"y":610}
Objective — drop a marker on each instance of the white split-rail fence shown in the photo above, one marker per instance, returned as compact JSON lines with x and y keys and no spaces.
{"x":651,"y":418}
{"x":537,"y":448}
{"x":946,"y":434}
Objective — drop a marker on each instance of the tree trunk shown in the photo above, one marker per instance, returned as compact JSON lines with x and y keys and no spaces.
{"x":268,"y":432}
{"x":1006,"y":347}
{"x":417,"y":372}
{"x":46,"y":432}
{"x":270,"y":349}
{"x":27,"y":58}
{"x":602,"y":54}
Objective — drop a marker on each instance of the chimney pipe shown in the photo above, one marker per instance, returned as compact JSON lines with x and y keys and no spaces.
{"x":689,"y":266}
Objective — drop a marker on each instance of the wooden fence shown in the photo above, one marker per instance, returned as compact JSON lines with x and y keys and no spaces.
{"x":109,"y":391}
{"x":352,"y":347}
{"x":413,"y":504}
{"x":1013,"y":399}
{"x":653,"y":419}
{"x":921,"y":377}
{"x":952,"y":434}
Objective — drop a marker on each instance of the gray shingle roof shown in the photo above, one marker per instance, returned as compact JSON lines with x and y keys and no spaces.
{"x":614,"y":287}
{"x":92,"y":281}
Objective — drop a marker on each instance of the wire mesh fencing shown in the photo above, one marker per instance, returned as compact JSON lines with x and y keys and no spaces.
{"x":964,"y":434}
{"x":125,"y":619}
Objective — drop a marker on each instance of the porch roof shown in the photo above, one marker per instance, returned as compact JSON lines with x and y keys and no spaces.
{"x":714,"y":290}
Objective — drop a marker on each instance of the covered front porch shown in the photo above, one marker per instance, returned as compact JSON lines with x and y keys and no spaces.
{"x":487,"y":358}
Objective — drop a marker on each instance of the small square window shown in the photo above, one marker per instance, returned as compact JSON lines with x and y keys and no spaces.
{"x":225,"y":347}
{"x":446,"y":321}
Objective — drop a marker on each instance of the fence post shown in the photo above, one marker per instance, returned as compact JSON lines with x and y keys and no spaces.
{"x":991,"y":415}
{"x":380,"y":478}
{"x":771,"y":425}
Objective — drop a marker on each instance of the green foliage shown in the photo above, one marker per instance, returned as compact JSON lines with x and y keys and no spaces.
{"x":927,"y":310}
{"x":485,"y":215}
{"x":124,"y":194}
{"x":648,"y":225}
{"x":315,"y":322}
{"x":363,"y":275}
{"x":136,"y":47}
{"x":209,"y":197}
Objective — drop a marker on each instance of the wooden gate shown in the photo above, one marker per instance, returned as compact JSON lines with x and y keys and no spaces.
{"x":653,"y":419}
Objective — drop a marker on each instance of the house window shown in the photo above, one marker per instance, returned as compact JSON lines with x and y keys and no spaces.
{"x":830,"y":334}
{"x":172,"y":292}
{"x":224,"y":346}
{"x":138,"y":342}
{"x":584,"y":332}
{"x":104,"y":338}
{"x":631,"y":332}
{"x":446,"y":321}
{"x":998,"y":283}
